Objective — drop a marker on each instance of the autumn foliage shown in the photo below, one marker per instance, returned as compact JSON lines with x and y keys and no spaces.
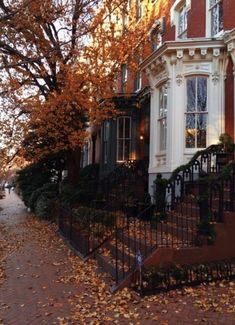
{"x":59,"y":64}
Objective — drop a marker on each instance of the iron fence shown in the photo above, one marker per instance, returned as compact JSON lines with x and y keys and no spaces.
{"x":157,"y":279}
{"x":136,"y":231}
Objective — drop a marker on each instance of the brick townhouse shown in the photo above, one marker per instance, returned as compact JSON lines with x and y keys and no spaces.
{"x":182,"y":98}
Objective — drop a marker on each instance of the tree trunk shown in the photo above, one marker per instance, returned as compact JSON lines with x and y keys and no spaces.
{"x":73,"y":165}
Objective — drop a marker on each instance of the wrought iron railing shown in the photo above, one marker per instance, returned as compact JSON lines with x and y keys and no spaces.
{"x":133,"y":236}
{"x":141,"y":235}
{"x":157,"y":279}
{"x":87,"y":235}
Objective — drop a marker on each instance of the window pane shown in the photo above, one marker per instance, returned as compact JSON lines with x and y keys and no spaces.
{"x":163,"y":130}
{"x":105,"y":152}
{"x":124,"y":72}
{"x":201,"y":94}
{"x":214,"y":20}
{"x":127,"y":150}
{"x":190,"y":131}
{"x":212,"y":2}
{"x":106,"y":131}
{"x":165,"y":101}
{"x":201,"y":130}
{"x":120,"y":150}
{"x":127,"y":128}
{"x":191,"y":94}
{"x":120,"y":128}
{"x":221,"y":20}
{"x":182,"y":20}
{"x":160,"y":102}
{"x":137,"y":81}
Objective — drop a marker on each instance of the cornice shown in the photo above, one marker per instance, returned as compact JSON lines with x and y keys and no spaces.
{"x":182,"y":47}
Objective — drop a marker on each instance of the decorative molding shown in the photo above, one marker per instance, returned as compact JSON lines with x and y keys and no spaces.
{"x":203,"y":52}
{"x":179,"y":79}
{"x":199,"y":67}
{"x":230,"y":47}
{"x":229,"y":36}
{"x":191,"y":52}
{"x":173,"y":60}
{"x":216,"y":52}
{"x":161,"y":77}
{"x":215,"y":78}
{"x":179,"y":54}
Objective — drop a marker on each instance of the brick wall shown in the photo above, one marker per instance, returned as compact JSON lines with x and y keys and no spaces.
{"x":229,"y":14}
{"x":229,"y":100}
{"x":197,"y":19}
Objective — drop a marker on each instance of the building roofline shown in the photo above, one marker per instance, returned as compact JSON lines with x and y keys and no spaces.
{"x":187,"y":44}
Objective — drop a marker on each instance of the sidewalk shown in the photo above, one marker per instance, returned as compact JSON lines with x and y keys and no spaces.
{"x":31,"y":293}
{"x":46,"y":284}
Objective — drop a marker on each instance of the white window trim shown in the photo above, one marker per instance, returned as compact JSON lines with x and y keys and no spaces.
{"x":208,"y":22}
{"x":174,"y":12}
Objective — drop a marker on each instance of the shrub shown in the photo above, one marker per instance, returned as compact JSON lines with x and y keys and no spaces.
{"x":86,"y":216}
{"x":31,"y":178}
{"x":48,"y":187}
{"x":45,"y":204}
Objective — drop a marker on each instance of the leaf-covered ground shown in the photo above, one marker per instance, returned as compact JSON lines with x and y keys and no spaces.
{"x":43,"y":282}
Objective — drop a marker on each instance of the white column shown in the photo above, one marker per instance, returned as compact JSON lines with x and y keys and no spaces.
{"x":177,"y":116}
{"x":153,"y":129}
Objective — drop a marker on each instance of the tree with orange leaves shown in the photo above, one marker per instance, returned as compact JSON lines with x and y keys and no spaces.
{"x":59,"y":60}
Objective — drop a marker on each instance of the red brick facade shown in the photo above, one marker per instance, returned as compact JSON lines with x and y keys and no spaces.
{"x":197,"y":19}
{"x":229,"y":14}
{"x":229,"y":100}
